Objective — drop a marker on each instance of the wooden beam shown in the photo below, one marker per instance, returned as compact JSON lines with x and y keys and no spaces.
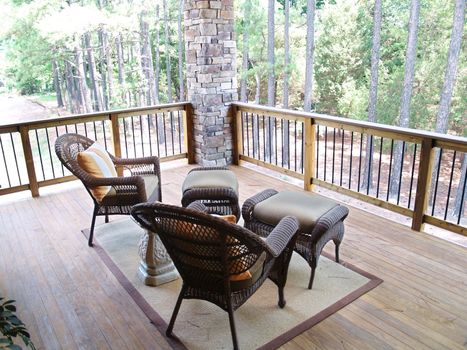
{"x":445,"y":225}
{"x":422,"y":196}
{"x":309,"y":154}
{"x":276,"y":168}
{"x":28,"y":157}
{"x":237,"y":141}
{"x":116,"y":143}
{"x":188,"y":134}
{"x":364,"y":198}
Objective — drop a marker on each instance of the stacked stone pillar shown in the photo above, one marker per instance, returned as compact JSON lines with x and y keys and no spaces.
{"x":211,"y":81}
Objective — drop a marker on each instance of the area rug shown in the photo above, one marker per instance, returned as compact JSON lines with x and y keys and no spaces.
{"x":260,"y":323}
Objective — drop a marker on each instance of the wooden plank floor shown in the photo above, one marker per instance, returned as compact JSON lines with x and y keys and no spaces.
{"x":69,"y":299}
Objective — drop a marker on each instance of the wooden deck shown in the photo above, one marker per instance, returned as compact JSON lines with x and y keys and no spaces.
{"x":69,"y":299}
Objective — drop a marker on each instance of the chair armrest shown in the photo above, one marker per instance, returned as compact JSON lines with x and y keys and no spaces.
{"x":329,"y":219}
{"x":120,"y":182}
{"x":282,"y":234}
{"x":249,"y":205}
{"x":139,"y":166}
{"x":198,"y":206}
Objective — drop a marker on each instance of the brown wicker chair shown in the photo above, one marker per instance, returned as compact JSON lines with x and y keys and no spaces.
{"x":208,"y":251}
{"x":143,"y":185}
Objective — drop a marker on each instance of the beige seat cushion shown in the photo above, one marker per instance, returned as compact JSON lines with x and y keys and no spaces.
{"x":96,"y":161}
{"x":210,"y":179}
{"x":307,"y":208}
{"x":151,"y":186}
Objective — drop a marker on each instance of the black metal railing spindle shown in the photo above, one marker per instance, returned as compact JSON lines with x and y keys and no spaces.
{"x":342,"y":156}
{"x":5,"y":162}
{"x":436,"y":182}
{"x":40,"y":154}
{"x":400,"y":174}
{"x":412,"y":174}
{"x":379,"y":165}
{"x":351,"y":159}
{"x":360,"y":162}
{"x":450,"y":185}
{"x":50,"y":153}
{"x":390,"y":168}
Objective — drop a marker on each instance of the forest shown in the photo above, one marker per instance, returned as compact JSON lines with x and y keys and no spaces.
{"x":394,"y":62}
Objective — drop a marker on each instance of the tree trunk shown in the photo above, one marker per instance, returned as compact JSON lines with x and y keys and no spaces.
{"x":310,"y":48}
{"x":146,"y":60}
{"x":81,"y":80}
{"x":258,"y":88}
{"x":246,"y":28}
{"x":449,"y":80}
{"x":93,"y":72}
{"x":181,"y":78}
{"x":167,"y":53}
{"x":56,"y":75}
{"x":109,"y":66}
{"x":102,"y":36}
{"x":70,"y":88}
{"x":271,"y":77}
{"x":373,"y":94}
{"x":121,"y":70}
{"x":410,"y":56}
{"x":158,"y":58}
{"x":285,"y":123}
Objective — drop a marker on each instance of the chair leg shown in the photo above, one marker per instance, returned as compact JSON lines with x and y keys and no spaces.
{"x":232,"y":327}
{"x":168,"y":332}
{"x":93,"y":222}
{"x":312,"y":277}
{"x":337,"y":251}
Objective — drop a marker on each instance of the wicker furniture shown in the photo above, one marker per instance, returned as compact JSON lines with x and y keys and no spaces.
{"x":215,"y":187}
{"x":142,"y":185}
{"x":219,"y":262}
{"x":321,"y":220}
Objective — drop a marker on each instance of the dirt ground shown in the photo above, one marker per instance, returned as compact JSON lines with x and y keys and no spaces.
{"x":15,"y":108}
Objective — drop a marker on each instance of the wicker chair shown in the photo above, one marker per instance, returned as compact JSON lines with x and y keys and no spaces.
{"x":143,"y":185}
{"x":213,"y":255}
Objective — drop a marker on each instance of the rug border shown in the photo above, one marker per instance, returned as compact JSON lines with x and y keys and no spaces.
{"x":176,"y":344}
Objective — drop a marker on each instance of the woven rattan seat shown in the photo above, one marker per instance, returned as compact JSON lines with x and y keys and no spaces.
{"x":213,"y":255}
{"x":143,"y":183}
{"x":321,"y":220}
{"x":215,"y":187}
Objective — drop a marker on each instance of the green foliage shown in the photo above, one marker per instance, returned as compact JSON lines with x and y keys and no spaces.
{"x":12,"y":327}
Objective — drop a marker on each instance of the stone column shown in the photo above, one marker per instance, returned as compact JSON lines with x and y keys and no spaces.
{"x":211,"y":80}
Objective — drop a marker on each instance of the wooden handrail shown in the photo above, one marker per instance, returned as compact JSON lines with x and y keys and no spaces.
{"x":428,"y":141}
{"x":23,"y":128}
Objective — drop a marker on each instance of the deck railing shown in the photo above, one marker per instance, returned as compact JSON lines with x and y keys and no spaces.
{"x":414,"y":173}
{"x":28,"y":159}
{"x":426,"y":183}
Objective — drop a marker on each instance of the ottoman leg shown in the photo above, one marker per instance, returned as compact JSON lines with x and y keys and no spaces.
{"x":313,"y":268}
{"x":337,"y":244}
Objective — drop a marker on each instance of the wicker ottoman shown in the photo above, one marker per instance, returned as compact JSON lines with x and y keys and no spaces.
{"x":215,"y":187}
{"x":321,"y":220}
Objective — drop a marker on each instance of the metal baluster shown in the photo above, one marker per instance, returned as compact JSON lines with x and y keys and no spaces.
{"x":243,"y":131}
{"x":105,"y":137}
{"x":360,"y":162}
{"x":325,"y":150}
{"x":317,"y":151}
{"x":295,"y":148}
{"x":303,"y":146}
{"x":4,"y":161}
{"x":400,"y":174}
{"x":148,"y":118}
{"x":342,"y":156}
{"x":165,"y":134}
{"x":247,"y":135}
{"x":157,"y":135}
{"x":257,"y":135}
{"x":50,"y":153}
{"x":61,"y":164}
{"x":76,"y":128}
{"x":95,"y":132}
{"x":179,"y":132}
{"x":351,"y":159}
{"x":413,"y":173}
{"x":436,"y":183}
{"x":40,"y":154}
{"x":450,"y":185}
{"x":333,"y":153}
{"x":124,"y":135}
{"x":264,"y":141}
{"x":16,"y":158}
{"x":141,"y":133}
{"x":172,"y":131}
{"x":379,"y":166}
{"x":275,"y":137}
{"x":390,"y":168}
{"x":85,"y":129}
{"x":461,"y":209}
{"x":133,"y":134}
{"x":370,"y":162}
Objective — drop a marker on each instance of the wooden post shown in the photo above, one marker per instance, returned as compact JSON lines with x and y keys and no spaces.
{"x":237,"y":141}
{"x":26,"y":142}
{"x":309,"y":170}
{"x":116,"y":140}
{"x":188,"y":134}
{"x":422,"y":196}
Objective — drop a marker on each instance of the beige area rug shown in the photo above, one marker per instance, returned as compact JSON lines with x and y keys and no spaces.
{"x":260,"y":322}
